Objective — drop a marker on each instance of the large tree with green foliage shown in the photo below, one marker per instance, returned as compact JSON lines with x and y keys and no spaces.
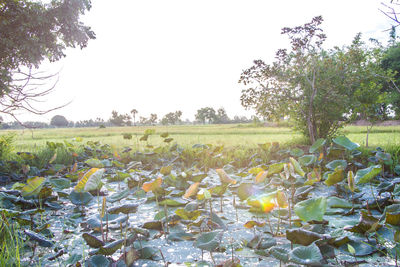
{"x":31,"y":32}
{"x":313,"y":86}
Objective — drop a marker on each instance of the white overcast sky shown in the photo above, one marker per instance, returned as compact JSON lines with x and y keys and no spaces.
{"x":159,"y":56}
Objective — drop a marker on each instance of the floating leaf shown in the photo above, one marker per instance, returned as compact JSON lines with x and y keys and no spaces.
{"x":302,"y":237}
{"x":42,"y":241}
{"x":365,"y":175}
{"x":177,"y":202}
{"x":33,"y":186}
{"x":280,"y":253}
{"x":251,"y":224}
{"x":310,"y":255}
{"x":98,"y":261}
{"x":192,"y":190}
{"x":188,"y":215}
{"x":208,"y":241}
{"x":311,"y":209}
{"x":152,"y":186}
{"x":80,"y":198}
{"x":224,"y":177}
{"x":319,"y":143}
{"x":345,"y":142}
{"x":126,"y":209}
{"x":118,"y":195}
{"x":335,"y":177}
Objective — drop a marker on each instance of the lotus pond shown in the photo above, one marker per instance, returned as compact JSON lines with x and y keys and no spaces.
{"x":318,"y":205}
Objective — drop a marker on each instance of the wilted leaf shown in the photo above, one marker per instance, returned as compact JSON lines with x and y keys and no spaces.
{"x":166,"y":170}
{"x":261,"y":176}
{"x":251,"y":224}
{"x":94,"y":163}
{"x":192,"y":190}
{"x":350,"y":181}
{"x":92,"y":241}
{"x":152,"y":186}
{"x":126,"y":209}
{"x":224,"y":177}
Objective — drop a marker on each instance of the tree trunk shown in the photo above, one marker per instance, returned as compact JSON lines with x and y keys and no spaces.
{"x":368,"y":130}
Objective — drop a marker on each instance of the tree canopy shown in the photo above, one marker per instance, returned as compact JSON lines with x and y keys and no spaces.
{"x":31,"y":32}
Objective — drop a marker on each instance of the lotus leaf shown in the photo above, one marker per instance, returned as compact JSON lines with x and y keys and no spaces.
{"x":311,"y":209}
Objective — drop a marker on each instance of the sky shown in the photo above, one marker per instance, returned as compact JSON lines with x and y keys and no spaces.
{"x":160,"y":56}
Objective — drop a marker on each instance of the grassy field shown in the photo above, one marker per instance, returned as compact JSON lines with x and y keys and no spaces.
{"x":230,"y":136}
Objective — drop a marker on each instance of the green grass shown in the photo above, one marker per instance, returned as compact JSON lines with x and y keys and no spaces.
{"x":231,"y":136}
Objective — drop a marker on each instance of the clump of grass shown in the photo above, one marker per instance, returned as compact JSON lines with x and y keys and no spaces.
{"x":11,"y":243}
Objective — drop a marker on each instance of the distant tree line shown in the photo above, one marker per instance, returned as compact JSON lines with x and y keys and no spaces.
{"x":206,"y":115}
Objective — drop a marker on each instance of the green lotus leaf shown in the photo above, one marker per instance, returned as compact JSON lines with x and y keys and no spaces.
{"x":311,"y":209}
{"x":280,"y":253}
{"x":80,"y":198}
{"x":319,"y":143}
{"x":365,"y":175}
{"x":33,"y":186}
{"x":60,"y":183}
{"x":307,"y":160}
{"x":98,"y":261}
{"x":310,"y":255}
{"x":337,"y":163}
{"x":94,"y":163}
{"x":296,"y":152}
{"x":345,"y":142}
{"x":335,"y":177}
{"x":208,"y":241}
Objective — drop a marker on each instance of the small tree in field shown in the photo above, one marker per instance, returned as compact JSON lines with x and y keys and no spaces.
{"x":134,"y":112}
{"x":59,"y":121}
{"x":313,"y":86}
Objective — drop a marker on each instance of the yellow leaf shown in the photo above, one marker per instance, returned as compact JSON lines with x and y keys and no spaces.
{"x":261,"y":176}
{"x":350,"y":181}
{"x":281,"y":199}
{"x":151,"y":186}
{"x":53,"y":158}
{"x":103,"y":207}
{"x":224,"y":177}
{"x":82,"y":182}
{"x":251,"y":224}
{"x":192,"y":190}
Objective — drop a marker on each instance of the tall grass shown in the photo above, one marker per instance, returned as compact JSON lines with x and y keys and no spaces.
{"x":10,"y":243}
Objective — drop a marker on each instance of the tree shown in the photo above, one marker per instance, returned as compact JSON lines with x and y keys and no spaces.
{"x":221,"y":116}
{"x":172,"y":118}
{"x":120,"y":119}
{"x":31,"y":32}
{"x":59,"y":121}
{"x":153,"y":119}
{"x":206,"y":114}
{"x":134,"y":112}
{"x":313,"y":86}
{"x":391,"y":61}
